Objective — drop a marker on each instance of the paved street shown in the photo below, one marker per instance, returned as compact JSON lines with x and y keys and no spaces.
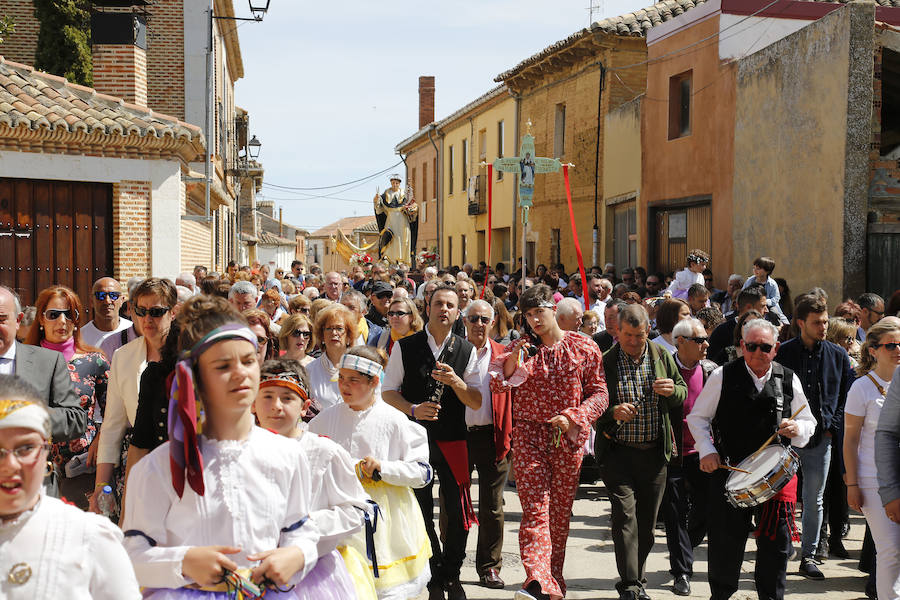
{"x":591,"y":568}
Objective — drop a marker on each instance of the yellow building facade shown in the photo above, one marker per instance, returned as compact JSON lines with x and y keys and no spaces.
{"x":481,"y":131}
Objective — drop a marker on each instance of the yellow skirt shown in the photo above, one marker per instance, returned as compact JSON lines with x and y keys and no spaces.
{"x":402,"y":548}
{"x":360,"y":572}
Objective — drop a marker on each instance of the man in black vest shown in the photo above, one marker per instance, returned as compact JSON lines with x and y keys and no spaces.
{"x":432,"y":376}
{"x":743,"y":403}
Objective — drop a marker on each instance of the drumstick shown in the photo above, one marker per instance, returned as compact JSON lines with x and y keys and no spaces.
{"x":730,"y":468}
{"x":772,"y":437}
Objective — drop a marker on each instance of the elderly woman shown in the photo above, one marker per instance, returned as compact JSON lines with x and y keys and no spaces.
{"x":55,"y":550}
{"x":59,"y":312}
{"x":270,"y":303}
{"x":299,"y":304}
{"x":403,"y":320}
{"x":295,"y":338}
{"x":335,"y":330}
{"x":153,"y":301}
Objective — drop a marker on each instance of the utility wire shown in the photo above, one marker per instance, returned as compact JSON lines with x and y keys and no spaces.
{"x":328,"y":187}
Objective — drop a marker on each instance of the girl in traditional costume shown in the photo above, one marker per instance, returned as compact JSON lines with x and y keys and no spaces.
{"x":391,"y":456}
{"x":339,"y":503}
{"x":51,"y":549}
{"x":241,"y":526}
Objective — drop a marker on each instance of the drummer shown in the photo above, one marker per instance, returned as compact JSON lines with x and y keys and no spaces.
{"x":732,"y":417}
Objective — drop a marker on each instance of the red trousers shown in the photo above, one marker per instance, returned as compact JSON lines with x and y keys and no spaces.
{"x":546,"y":479}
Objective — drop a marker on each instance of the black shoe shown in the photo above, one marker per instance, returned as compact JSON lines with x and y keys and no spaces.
{"x":643,"y":595}
{"x":491,"y":579}
{"x":682,"y":586}
{"x":628,"y":595}
{"x":809,"y":569}
{"x":455,"y":591}
{"x":836,"y":548}
{"x":822,"y":549}
{"x":871,"y":589}
{"x":436,"y":593}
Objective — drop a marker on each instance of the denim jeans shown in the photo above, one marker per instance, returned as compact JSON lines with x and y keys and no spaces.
{"x":814,"y":462}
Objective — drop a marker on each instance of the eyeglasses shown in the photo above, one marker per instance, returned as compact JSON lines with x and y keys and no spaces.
{"x":297,"y":333}
{"x":337,"y":329}
{"x":155,"y":312}
{"x":880,"y":313}
{"x":753,"y":347}
{"x":262,"y":341}
{"x":53,"y":314}
{"x":475,"y":318}
{"x":398,"y":313}
{"x":101,"y":296}
{"x":383,"y":295}
{"x":699,"y":340}
{"x":25,"y":455}
{"x":888,"y":346}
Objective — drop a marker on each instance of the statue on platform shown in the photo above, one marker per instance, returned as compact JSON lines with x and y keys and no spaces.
{"x":397,"y":216}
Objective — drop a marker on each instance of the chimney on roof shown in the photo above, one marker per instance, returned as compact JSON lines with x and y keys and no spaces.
{"x":266,"y":207}
{"x":119,"y":50}
{"x":426,"y":100}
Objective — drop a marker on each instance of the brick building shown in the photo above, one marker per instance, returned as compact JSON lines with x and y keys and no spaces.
{"x":162,"y":70}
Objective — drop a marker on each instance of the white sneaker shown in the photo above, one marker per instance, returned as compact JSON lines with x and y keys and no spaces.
{"x":523,"y":595}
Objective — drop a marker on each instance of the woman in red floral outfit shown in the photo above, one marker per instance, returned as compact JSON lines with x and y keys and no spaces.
{"x":557,"y":394}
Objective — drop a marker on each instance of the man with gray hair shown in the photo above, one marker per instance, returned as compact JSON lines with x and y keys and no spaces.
{"x":243,"y":295}
{"x":569,"y":313}
{"x":428,"y":275}
{"x":872,"y":306}
{"x":187,"y":280}
{"x":489,"y":430}
{"x":727,"y":298}
{"x":334,"y":285}
{"x":357,"y":303}
{"x":740,"y":406}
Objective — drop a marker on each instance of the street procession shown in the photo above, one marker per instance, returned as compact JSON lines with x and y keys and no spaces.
{"x":525,"y":300}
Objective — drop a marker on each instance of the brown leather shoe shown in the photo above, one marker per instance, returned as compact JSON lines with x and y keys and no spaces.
{"x":492,"y":580}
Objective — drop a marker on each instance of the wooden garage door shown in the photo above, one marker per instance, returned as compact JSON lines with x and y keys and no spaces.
{"x":679,"y":230}
{"x":54,"y":232}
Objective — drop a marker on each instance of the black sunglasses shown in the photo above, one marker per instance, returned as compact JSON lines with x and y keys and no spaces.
{"x":260,"y":341}
{"x":753,"y":347}
{"x":381,"y":295}
{"x":698,"y":340}
{"x":297,"y":333}
{"x":475,"y":318}
{"x":887,"y":345}
{"x":397,"y":313}
{"x":155,"y":312}
{"x":101,"y":296}
{"x":53,"y":314}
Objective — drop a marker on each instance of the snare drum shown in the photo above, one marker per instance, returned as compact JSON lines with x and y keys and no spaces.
{"x":770,"y":470}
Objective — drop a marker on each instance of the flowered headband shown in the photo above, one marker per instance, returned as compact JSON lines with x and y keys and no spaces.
{"x":186,"y":415}
{"x":361,"y":364}
{"x":288,"y":379}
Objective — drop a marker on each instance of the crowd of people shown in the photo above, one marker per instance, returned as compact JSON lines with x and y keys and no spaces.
{"x":282,"y":432}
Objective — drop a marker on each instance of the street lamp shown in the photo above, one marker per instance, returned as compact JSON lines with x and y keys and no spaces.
{"x":259,"y":11}
{"x":253,"y":147}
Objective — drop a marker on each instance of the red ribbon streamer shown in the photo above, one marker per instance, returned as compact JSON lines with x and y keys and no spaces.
{"x":584,"y":291}
{"x":490,"y":187}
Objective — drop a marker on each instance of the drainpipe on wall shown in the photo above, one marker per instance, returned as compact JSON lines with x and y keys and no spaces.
{"x":438,"y":192}
{"x":596,"y":232}
{"x":512,"y":246}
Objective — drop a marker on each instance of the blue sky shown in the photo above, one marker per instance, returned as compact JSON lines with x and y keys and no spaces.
{"x":331,"y":88}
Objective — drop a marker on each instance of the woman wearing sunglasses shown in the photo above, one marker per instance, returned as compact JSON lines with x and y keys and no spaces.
{"x":403,"y":320}
{"x":51,"y":550}
{"x":295,"y":338}
{"x":880,"y":358}
{"x":152,"y":303}
{"x":267,"y":343}
{"x":58,"y":313}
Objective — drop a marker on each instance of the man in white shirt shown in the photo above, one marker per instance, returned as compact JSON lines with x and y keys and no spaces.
{"x":741,"y":404}
{"x":488,"y":440}
{"x":106,"y":300}
{"x":434,"y":384}
{"x":599,"y":290}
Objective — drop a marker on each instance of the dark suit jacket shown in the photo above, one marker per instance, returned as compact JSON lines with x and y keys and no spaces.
{"x":604,"y":340}
{"x":835,"y":377}
{"x":47,"y":371}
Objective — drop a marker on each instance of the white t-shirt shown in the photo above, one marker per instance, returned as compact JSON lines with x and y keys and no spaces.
{"x":864,"y":400}
{"x":94,"y":337}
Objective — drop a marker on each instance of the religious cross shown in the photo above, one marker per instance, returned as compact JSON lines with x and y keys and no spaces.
{"x":526,"y":165}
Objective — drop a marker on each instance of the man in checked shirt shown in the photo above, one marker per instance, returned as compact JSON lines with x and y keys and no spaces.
{"x":644,"y":386}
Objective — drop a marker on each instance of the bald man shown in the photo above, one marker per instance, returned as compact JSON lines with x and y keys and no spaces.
{"x":106,"y":300}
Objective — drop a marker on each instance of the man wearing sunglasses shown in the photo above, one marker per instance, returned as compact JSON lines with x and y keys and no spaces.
{"x":106,"y":300}
{"x":743,"y":403}
{"x":826,"y":375}
{"x":684,"y":504}
{"x":489,"y":430}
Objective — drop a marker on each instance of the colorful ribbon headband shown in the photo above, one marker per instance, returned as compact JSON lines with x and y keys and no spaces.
{"x":546,"y":304}
{"x":286,"y":379}
{"x":363,"y":365}
{"x":186,"y":413}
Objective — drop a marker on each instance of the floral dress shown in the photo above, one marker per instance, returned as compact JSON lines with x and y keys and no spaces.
{"x":90,"y":376}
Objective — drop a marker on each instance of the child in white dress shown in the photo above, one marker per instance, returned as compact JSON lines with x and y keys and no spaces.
{"x":339,"y":502}
{"x":242,"y":523}
{"x":391,"y":455}
{"x":697,"y":260}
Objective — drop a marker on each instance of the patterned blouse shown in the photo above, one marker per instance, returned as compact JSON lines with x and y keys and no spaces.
{"x":565,"y":378}
{"x":90,"y":376}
